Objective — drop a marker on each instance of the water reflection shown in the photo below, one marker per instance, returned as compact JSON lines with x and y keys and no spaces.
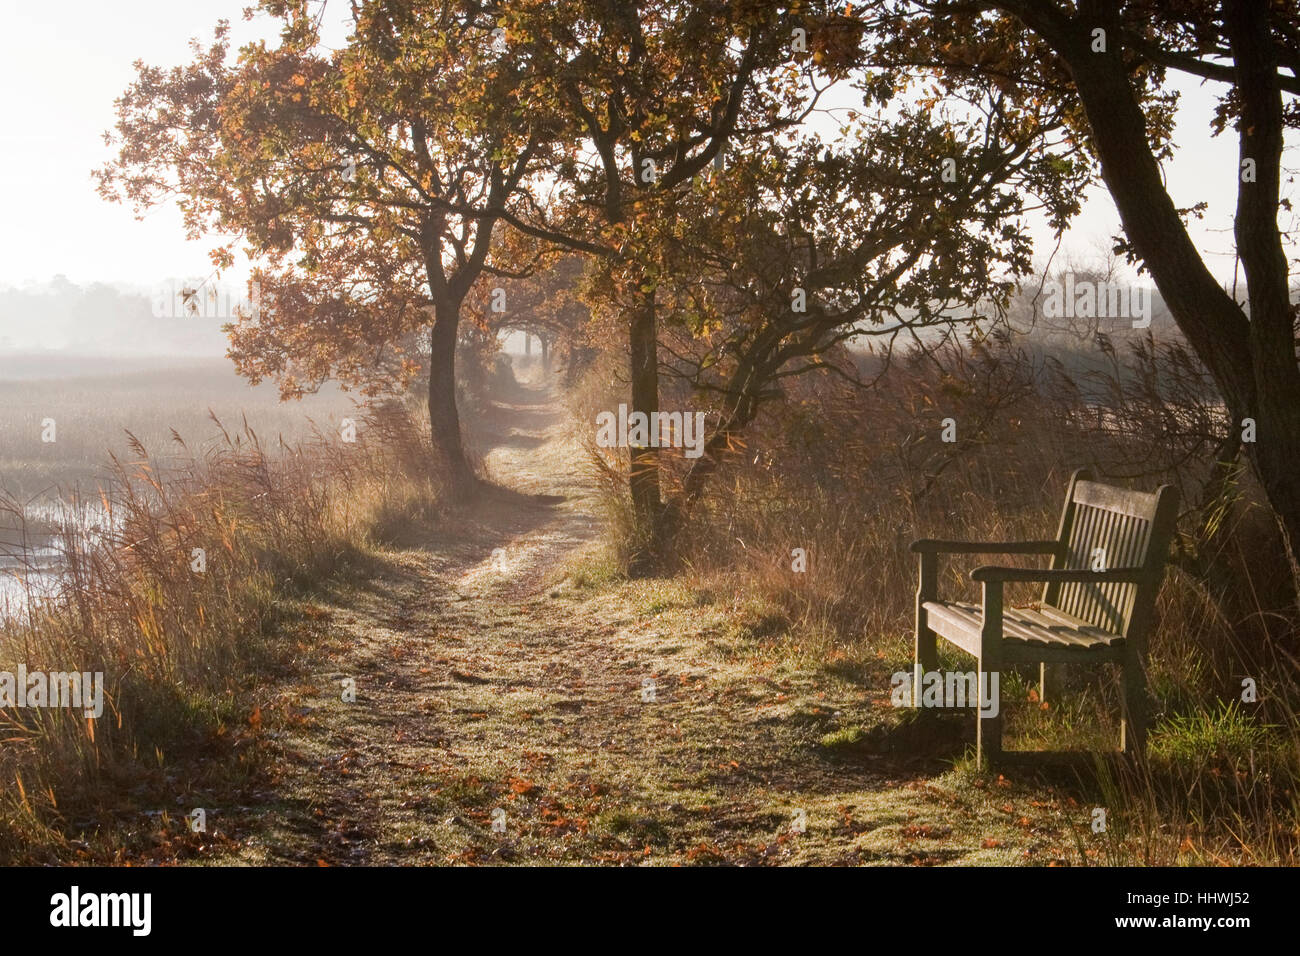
{"x":34,"y":538}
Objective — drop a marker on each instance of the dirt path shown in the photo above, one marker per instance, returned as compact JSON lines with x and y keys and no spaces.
{"x":508,"y":710}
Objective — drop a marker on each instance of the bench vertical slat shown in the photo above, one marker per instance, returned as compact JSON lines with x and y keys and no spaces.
{"x":1103,"y":541}
{"x":1060,"y":560}
{"x":1143,"y":555}
{"x":1135,"y":530}
{"x":1083,"y":559}
{"x":1073,"y":598}
{"x":1118,"y":548}
{"x":1125,"y":539}
{"x":1111,"y":544}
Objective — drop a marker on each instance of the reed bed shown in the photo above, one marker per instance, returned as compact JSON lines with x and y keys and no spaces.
{"x":169,"y":580}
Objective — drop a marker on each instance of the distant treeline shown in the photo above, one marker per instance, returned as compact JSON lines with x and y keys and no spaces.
{"x":103,"y":319}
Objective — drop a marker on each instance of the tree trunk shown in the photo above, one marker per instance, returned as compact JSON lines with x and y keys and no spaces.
{"x":444,"y":420}
{"x":644,"y":477}
{"x":579,"y":359}
{"x":739,"y":409}
{"x":1259,"y":244}
{"x":1252,"y":359}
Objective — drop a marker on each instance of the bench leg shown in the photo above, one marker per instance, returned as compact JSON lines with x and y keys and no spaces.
{"x":926,"y":656}
{"x":1133,"y":729}
{"x":1049,"y":682}
{"x":988,"y":731}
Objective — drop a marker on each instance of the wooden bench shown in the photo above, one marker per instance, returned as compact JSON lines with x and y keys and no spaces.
{"x":1086,"y":615}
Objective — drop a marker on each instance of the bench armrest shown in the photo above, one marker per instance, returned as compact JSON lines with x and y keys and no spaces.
{"x":935,"y":546}
{"x":1062,"y":576}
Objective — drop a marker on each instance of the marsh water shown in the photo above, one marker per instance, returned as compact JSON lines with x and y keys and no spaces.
{"x":32,"y":548}
{"x":51,"y":479}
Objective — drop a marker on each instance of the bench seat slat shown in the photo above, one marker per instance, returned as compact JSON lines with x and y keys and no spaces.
{"x":961,"y":623}
{"x":1077,"y":631}
{"x":1057,"y":616}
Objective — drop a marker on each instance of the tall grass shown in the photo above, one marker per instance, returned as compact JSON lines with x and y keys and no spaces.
{"x":172,"y":595}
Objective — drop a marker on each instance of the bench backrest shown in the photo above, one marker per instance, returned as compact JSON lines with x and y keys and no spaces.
{"x":1114,"y":528}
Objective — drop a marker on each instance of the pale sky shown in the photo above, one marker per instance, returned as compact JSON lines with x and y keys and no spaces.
{"x":62,"y":65}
